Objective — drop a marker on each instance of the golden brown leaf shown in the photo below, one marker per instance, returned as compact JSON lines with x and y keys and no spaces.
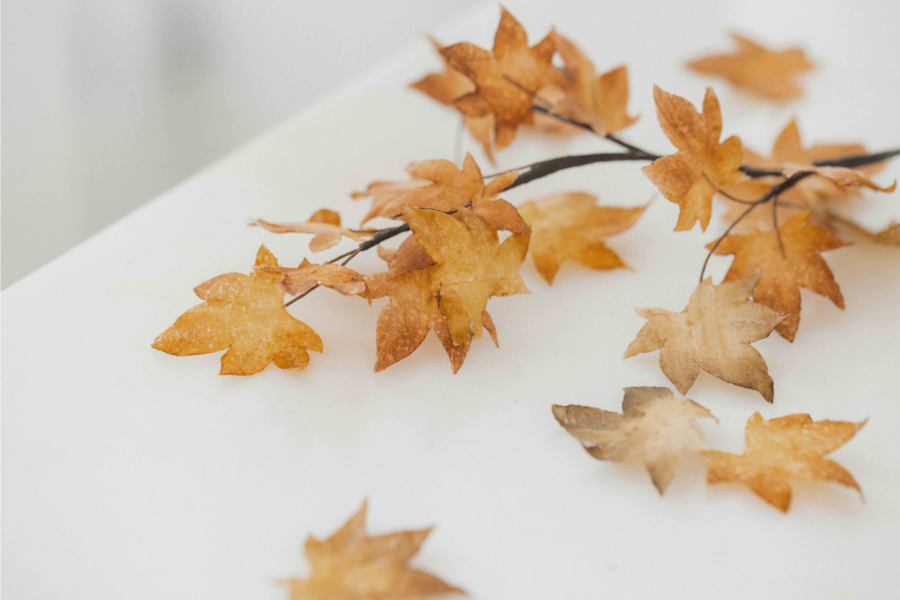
{"x":244,"y":314}
{"x":691,"y":176}
{"x":781,"y":450}
{"x":471,"y":267}
{"x":325,"y":224}
{"x":603,"y":98}
{"x":352,"y":565}
{"x":309,"y":275}
{"x":411,"y":313}
{"x":572,"y":226}
{"x":656,"y":428}
{"x":758,"y":69}
{"x":505,"y":80}
{"x":783,"y":275}
{"x":712,"y":333}
{"x":448,"y":86}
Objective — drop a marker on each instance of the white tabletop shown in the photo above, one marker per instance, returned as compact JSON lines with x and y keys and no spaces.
{"x":128,"y":473}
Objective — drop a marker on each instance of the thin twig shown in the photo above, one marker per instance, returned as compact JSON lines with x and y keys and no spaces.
{"x":349,"y":255}
{"x":775,"y":225}
{"x":771,"y":193}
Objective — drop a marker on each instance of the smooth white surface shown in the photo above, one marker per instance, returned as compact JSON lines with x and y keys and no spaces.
{"x":128,"y":473}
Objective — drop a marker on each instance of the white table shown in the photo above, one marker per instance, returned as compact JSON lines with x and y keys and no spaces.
{"x":128,"y":473}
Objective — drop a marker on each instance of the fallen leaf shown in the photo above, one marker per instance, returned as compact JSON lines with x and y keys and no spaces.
{"x":506,"y":80}
{"x":325,"y":224}
{"x":309,"y":275}
{"x":783,"y":275}
{"x":656,"y":428}
{"x":757,"y":69}
{"x":712,"y":333}
{"x":572,"y":226}
{"x":411,"y":313}
{"x":471,"y":267}
{"x":691,"y":176}
{"x":352,"y":565}
{"x":449,"y":85}
{"x":604,"y":97}
{"x":781,"y":450}
{"x":244,"y":314}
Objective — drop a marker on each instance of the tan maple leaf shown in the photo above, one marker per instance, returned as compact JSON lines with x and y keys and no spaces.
{"x":781,"y":450}
{"x":755,"y":68}
{"x":783,"y":275}
{"x":245,"y":315}
{"x":604,"y":98}
{"x":325,"y":224}
{"x":571,"y":225}
{"x":411,"y":313}
{"x":506,"y":80}
{"x":449,"y":85}
{"x":691,"y":176}
{"x":655,"y":428}
{"x":352,"y":565}
{"x":440,"y":185}
{"x":471,"y":266}
{"x":309,"y":275}
{"x":712,"y":333}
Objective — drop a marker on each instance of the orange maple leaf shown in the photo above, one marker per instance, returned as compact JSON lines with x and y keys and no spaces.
{"x":352,"y":565}
{"x":506,"y":80}
{"x":758,"y":69}
{"x":245,"y":315}
{"x":781,"y":450}
{"x":692,"y":176}
{"x":783,"y":274}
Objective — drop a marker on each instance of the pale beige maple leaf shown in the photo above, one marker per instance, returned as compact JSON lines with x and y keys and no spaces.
{"x":712,"y":333}
{"x":655,"y":428}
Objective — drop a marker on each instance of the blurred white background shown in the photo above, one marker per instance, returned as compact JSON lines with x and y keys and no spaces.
{"x":107,"y":103}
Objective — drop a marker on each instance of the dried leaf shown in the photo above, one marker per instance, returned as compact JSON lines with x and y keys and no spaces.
{"x":781,"y":450}
{"x":505,"y":80}
{"x":603,"y":99}
{"x":572,"y":226}
{"x":352,"y":565}
{"x":783,"y":275}
{"x":309,"y":275}
{"x":325,"y":224}
{"x":841,"y":176}
{"x":471,"y":267}
{"x":656,"y":428}
{"x":889,"y":236}
{"x":691,"y":177}
{"x":758,"y":69}
{"x":712,"y":333}
{"x":448,"y":86}
{"x":411,"y":313}
{"x":244,"y":314}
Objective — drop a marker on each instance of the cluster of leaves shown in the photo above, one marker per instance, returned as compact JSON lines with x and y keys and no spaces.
{"x":453,"y":261}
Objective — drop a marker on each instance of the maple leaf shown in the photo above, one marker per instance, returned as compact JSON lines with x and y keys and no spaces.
{"x":692,"y":176}
{"x":244,"y":314}
{"x":411,"y":313}
{"x":572,"y":226}
{"x":781,"y":450}
{"x":506,"y":80}
{"x":446,"y":87}
{"x":325,"y":224}
{"x":309,"y":275}
{"x":758,"y":69}
{"x":712,"y":333}
{"x":440,"y":185}
{"x":471,"y":267}
{"x":655,"y":428}
{"x":352,"y":565}
{"x":604,"y":97}
{"x":783,"y":275}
